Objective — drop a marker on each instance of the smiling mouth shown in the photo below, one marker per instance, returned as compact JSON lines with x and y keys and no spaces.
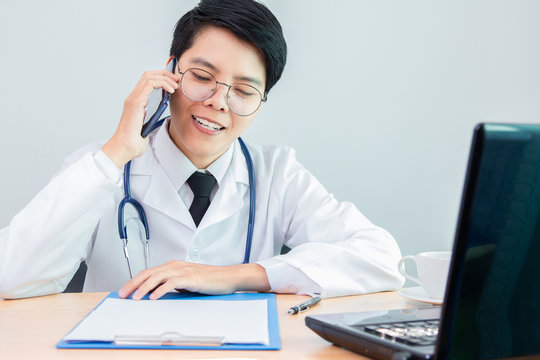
{"x":208,"y":124}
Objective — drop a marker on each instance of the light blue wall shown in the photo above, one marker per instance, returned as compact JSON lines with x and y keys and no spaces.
{"x":379,"y":97}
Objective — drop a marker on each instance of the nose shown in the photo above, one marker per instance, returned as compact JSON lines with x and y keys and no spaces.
{"x":218,"y":100}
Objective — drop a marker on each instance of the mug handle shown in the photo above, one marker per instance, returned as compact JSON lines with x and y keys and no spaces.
{"x":401,"y":268}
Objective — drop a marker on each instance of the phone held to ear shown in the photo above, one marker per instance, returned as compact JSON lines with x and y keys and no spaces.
{"x":152,"y":122}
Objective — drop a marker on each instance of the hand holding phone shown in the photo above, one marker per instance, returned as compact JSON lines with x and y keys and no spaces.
{"x":130,"y":139}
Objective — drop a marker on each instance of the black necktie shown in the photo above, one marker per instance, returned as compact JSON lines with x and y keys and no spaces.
{"x":201,"y":184}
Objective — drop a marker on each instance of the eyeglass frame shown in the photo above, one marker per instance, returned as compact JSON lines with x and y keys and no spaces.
{"x":263,"y":98}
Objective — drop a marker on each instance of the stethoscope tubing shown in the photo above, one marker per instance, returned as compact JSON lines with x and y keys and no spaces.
{"x":128,"y":199}
{"x":252,"y":199}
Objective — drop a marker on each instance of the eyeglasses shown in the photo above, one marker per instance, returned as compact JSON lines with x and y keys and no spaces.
{"x":198,"y":85}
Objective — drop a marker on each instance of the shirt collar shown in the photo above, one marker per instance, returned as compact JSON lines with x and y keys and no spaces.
{"x":176,"y":164}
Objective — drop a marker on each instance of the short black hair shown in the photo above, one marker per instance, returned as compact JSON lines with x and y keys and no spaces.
{"x":249,"y":20}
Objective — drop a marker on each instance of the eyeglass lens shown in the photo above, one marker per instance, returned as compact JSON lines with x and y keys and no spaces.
{"x":199,"y":85}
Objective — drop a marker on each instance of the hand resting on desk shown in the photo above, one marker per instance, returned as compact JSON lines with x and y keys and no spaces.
{"x":201,"y":278}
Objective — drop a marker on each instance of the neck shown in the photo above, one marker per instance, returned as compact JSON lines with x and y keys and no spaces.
{"x":200,"y":162}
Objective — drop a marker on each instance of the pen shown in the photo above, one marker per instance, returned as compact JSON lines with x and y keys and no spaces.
{"x":305,"y":305}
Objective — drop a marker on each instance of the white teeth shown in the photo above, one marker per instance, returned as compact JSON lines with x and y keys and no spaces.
{"x":207,"y":124}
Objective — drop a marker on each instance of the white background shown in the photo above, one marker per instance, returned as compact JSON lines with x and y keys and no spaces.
{"x":378,"y":97}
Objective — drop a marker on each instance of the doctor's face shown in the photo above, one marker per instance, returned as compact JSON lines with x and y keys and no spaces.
{"x":204,"y":130}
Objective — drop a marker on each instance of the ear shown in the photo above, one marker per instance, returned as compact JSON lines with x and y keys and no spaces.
{"x":168,"y":64}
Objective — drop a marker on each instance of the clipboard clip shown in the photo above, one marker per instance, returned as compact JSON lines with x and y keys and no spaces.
{"x":169,"y":339}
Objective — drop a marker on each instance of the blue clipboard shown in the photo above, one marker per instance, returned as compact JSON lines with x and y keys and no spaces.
{"x":273,"y":326}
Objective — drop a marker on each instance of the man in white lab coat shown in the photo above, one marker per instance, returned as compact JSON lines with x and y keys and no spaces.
{"x":237,"y":47}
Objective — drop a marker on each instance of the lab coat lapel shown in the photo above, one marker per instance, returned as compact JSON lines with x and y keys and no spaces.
{"x":229,"y":198}
{"x":163,"y":197}
{"x":160,"y":193}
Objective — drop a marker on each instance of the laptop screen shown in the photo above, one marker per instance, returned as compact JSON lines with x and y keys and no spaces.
{"x":492,"y":305}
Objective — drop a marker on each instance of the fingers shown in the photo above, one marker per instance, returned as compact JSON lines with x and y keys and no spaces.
{"x":171,"y":284}
{"x":154,"y":281}
{"x":170,"y":276}
{"x":150,"y":80}
{"x":206,"y":279}
{"x":142,"y":284}
{"x":135,"y":103}
{"x":157,"y":281}
{"x":133,"y":284}
{"x":158,"y":79}
{"x":127,"y":142}
{"x":172,"y":80}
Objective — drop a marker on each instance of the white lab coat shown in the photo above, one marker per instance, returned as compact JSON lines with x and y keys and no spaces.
{"x":335,"y":249}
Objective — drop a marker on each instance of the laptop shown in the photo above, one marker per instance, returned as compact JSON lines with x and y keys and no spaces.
{"x":491,"y":308}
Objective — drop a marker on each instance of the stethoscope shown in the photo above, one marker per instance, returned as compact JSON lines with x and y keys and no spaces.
{"x":153,"y":123}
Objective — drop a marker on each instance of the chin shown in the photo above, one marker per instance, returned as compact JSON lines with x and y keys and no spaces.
{"x":202,"y":151}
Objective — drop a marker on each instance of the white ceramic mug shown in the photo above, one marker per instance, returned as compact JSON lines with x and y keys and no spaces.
{"x":432,"y":268}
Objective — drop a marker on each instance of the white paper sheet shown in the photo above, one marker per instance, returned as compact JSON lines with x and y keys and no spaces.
{"x":242,"y":322}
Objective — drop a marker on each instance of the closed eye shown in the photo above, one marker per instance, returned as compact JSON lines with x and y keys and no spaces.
{"x":244,"y":90}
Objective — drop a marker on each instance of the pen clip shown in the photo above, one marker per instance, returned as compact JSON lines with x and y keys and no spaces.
{"x":169,"y":339}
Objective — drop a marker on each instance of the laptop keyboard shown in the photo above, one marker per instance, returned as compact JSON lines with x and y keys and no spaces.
{"x":416,"y":333}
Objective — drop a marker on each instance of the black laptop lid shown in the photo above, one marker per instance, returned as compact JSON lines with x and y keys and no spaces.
{"x":492,"y":303}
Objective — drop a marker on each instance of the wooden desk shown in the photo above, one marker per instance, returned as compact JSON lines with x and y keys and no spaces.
{"x":30,"y":329}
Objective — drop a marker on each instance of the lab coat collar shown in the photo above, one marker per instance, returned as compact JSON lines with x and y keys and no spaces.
{"x":176,"y":165}
{"x":229,"y":198}
{"x":161,"y":193}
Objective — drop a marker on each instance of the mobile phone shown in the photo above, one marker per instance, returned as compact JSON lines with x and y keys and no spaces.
{"x":156,"y":107}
